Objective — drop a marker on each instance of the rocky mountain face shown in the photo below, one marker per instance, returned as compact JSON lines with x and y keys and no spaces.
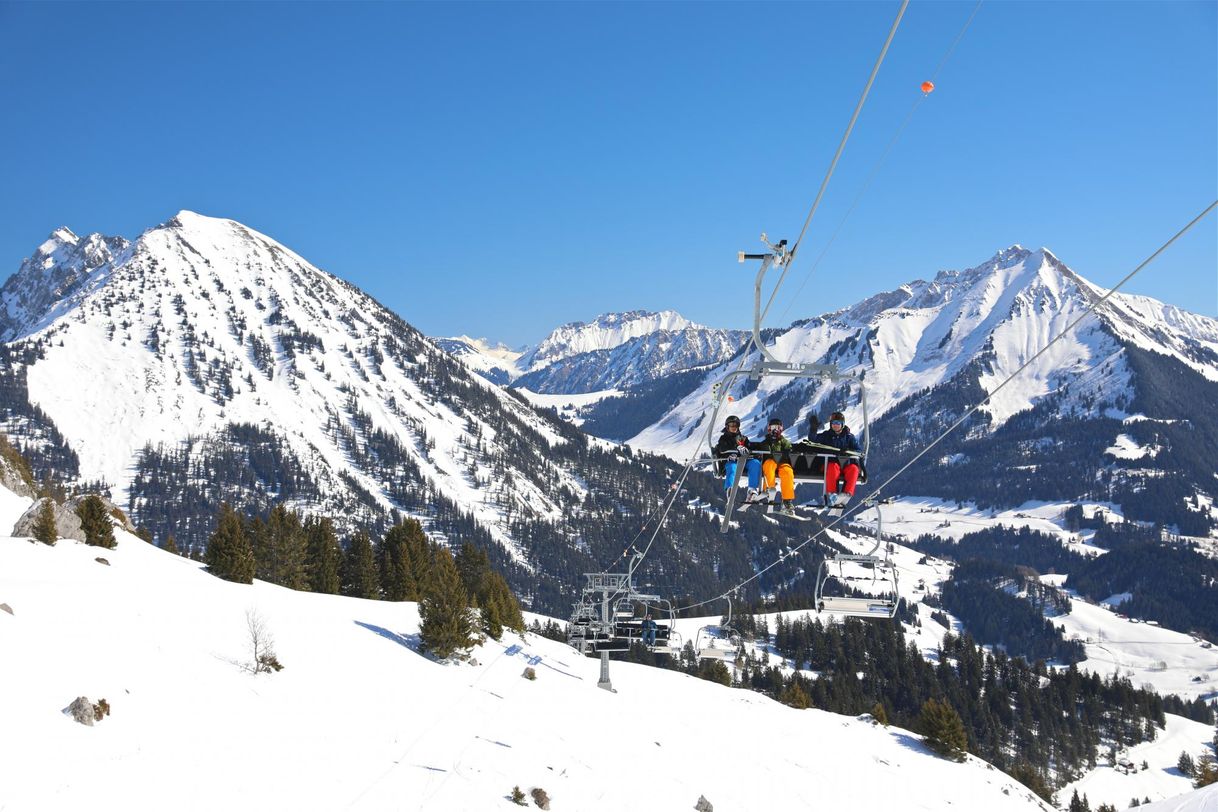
{"x":206,"y":363}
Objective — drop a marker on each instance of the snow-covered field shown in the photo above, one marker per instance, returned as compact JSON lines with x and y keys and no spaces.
{"x":567,"y":406}
{"x":1170,"y":662}
{"x":358,"y":719}
{"x":1160,"y":780}
{"x":913,"y":516}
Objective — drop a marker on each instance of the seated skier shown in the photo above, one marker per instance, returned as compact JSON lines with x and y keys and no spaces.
{"x":727,"y":451}
{"x":649,"y":631}
{"x":842,"y":468}
{"x":777,"y":460}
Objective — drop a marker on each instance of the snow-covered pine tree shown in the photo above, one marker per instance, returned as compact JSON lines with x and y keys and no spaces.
{"x":446,"y":626}
{"x":45,"y":529}
{"x":229,"y":555}
{"x":324,"y":556}
{"x":360,"y":578}
{"x":94,"y":521}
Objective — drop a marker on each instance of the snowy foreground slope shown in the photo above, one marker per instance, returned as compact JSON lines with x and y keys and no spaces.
{"x":359,"y":720}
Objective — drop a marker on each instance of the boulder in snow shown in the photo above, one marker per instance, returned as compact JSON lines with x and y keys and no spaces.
{"x":67,"y":523}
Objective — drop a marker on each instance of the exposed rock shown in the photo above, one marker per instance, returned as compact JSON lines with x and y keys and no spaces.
{"x":703,"y":805}
{"x":12,"y":479}
{"x":66,"y":520}
{"x":81,"y":710}
{"x":4,"y":607}
{"x":101,"y":560}
{"x":529,"y":673}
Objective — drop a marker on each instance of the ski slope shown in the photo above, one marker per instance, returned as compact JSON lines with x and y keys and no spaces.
{"x":359,"y":720}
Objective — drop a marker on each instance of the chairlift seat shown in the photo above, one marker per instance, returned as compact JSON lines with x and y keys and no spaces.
{"x":858,"y":607}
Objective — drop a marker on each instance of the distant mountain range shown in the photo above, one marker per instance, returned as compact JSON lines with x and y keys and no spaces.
{"x":1113,"y":411}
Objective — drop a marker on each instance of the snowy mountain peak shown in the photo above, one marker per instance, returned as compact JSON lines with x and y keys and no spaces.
{"x":976,"y":327}
{"x":603,"y":333}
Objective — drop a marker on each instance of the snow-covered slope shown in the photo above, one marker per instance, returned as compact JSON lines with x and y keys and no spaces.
{"x":970,"y":329}
{"x":359,"y":720}
{"x":207,"y":360}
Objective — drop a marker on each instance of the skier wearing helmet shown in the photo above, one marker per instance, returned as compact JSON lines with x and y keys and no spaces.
{"x":842,"y":473}
{"x":731,"y":441}
{"x":778,"y":461}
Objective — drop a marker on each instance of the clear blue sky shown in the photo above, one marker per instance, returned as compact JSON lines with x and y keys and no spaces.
{"x":500,"y":168}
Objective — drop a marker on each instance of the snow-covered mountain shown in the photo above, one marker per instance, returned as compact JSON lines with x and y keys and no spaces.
{"x":495,"y":362}
{"x":615,"y":351}
{"x":637,"y":361}
{"x":929,"y":350}
{"x":981,"y":323}
{"x":205,"y":362}
{"x":602,"y":333}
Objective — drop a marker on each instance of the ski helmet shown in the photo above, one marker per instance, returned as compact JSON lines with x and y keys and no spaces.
{"x":837,"y":416}
{"x":731,"y":418}
{"x":775,"y":421}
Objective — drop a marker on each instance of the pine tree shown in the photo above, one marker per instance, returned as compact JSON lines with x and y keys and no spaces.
{"x":1185,"y":764}
{"x":171,"y":545}
{"x":144,"y":534}
{"x":229,"y":555}
{"x":360,"y":578}
{"x":1206,"y":771}
{"x":795,"y":696}
{"x":96,"y":524}
{"x":397,"y":570}
{"x":880,"y":715}
{"x":324,"y":556}
{"x":286,"y":549}
{"x":943,"y":729}
{"x":45,"y":529}
{"x":1078,"y":804}
{"x":446,"y":627}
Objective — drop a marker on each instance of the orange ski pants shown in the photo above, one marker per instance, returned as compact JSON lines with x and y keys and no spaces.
{"x":786,"y":476}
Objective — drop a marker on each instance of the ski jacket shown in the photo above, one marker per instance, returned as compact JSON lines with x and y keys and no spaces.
{"x":842,"y":442}
{"x":779,"y":449}
{"x":729,"y":442}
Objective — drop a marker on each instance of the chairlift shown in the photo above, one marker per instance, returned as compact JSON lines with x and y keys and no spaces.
{"x":883,"y":572}
{"x":809,"y":460}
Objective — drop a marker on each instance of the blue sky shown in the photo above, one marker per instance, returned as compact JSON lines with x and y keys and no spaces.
{"x":497,"y":169}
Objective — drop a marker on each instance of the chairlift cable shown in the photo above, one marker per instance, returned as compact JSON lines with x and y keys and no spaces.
{"x":837,"y":155}
{"x":878,"y":490}
{"x":875,"y":169}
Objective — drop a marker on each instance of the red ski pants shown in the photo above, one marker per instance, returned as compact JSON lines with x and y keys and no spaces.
{"x":833,"y":471}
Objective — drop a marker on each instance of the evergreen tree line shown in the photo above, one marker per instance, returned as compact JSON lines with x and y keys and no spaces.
{"x":1044,"y":727}
{"x":979,"y":593}
{"x":1171,"y":583}
{"x":305,"y":554}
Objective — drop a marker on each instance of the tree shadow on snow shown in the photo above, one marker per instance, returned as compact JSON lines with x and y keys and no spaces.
{"x":911,"y":742}
{"x":410,"y":641}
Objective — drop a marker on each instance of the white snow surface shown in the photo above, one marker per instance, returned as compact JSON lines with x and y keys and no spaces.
{"x":1199,"y":800}
{"x":568,"y":406}
{"x":358,"y":719}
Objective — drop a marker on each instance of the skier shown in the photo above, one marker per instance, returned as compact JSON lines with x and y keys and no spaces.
{"x":840,"y":437}
{"x":778,"y":460}
{"x":727,"y":449}
{"x":649,"y":630}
